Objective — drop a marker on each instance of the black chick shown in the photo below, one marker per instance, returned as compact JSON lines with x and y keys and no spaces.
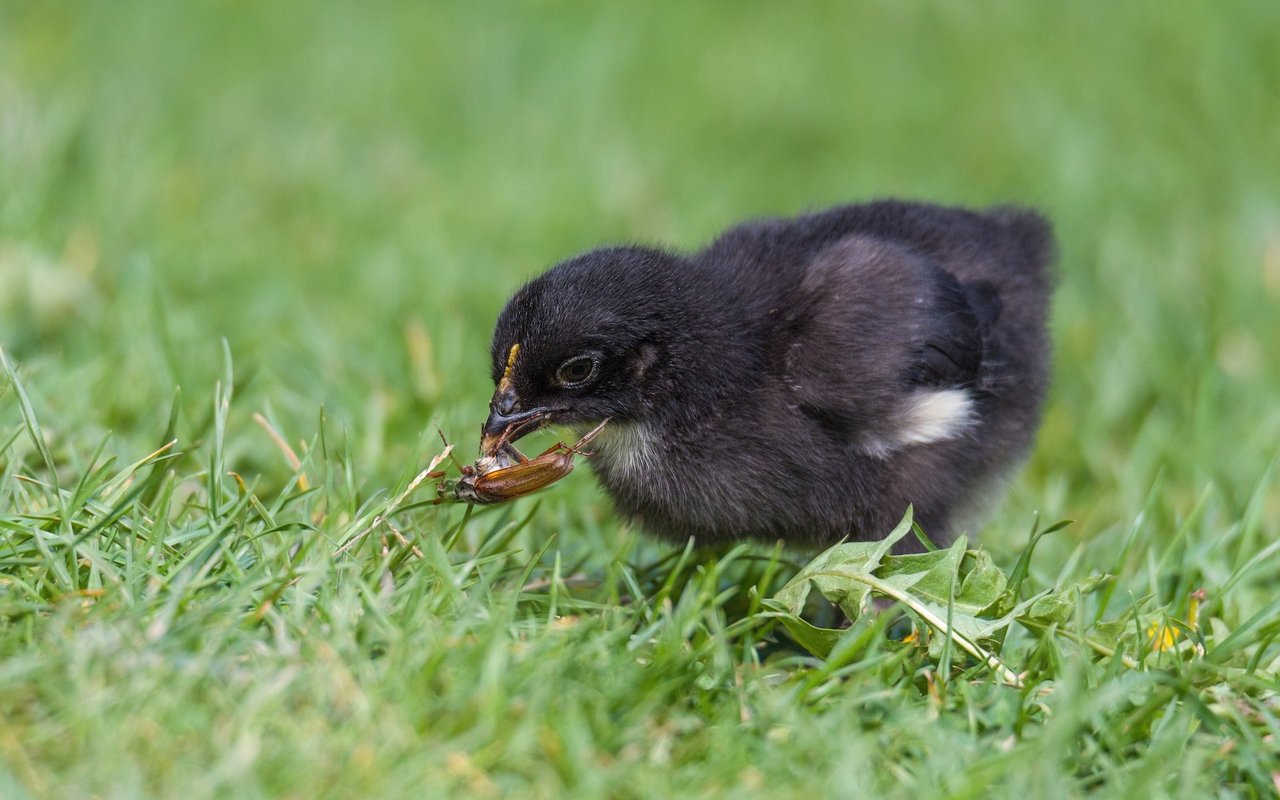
{"x":801,"y":379}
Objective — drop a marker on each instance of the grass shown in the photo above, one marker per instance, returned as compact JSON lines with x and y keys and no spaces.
{"x":313,"y":215}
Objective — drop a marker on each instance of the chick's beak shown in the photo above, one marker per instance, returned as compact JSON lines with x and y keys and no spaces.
{"x":507,"y":422}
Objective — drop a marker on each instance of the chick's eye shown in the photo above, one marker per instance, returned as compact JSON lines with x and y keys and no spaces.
{"x":576,"y":371}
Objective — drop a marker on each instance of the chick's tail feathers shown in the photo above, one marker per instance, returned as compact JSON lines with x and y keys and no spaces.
{"x":1032,"y":239}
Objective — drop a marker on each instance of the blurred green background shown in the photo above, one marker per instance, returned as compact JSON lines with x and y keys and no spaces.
{"x":347,"y":194}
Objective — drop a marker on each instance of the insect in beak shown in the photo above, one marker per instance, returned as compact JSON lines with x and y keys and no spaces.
{"x":501,"y":429}
{"x":508,"y":475}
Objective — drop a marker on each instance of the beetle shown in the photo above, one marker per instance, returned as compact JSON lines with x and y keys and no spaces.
{"x":506,"y":474}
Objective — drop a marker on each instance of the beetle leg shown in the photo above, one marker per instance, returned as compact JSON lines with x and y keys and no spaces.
{"x":558,"y":447}
{"x":576,"y":447}
{"x":511,"y":451}
{"x":452,"y":457}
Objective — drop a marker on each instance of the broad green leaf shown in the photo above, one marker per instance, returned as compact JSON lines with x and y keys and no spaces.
{"x":816,"y":640}
{"x":835,"y":573}
{"x":1108,"y":633}
{"x":1060,"y":606}
{"x":979,"y":582}
{"x":983,"y":604}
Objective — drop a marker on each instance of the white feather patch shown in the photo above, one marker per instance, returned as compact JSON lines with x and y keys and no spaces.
{"x":932,"y":416}
{"x":627,"y":447}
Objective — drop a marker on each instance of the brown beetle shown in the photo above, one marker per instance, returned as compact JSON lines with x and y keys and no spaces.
{"x":508,"y":474}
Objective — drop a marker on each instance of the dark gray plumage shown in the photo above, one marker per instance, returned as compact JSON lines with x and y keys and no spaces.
{"x":801,"y":379}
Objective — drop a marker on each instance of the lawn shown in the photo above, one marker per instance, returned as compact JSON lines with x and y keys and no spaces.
{"x":250,"y":256}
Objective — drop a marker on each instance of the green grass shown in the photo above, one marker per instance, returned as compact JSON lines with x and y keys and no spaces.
{"x":314,"y":214}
